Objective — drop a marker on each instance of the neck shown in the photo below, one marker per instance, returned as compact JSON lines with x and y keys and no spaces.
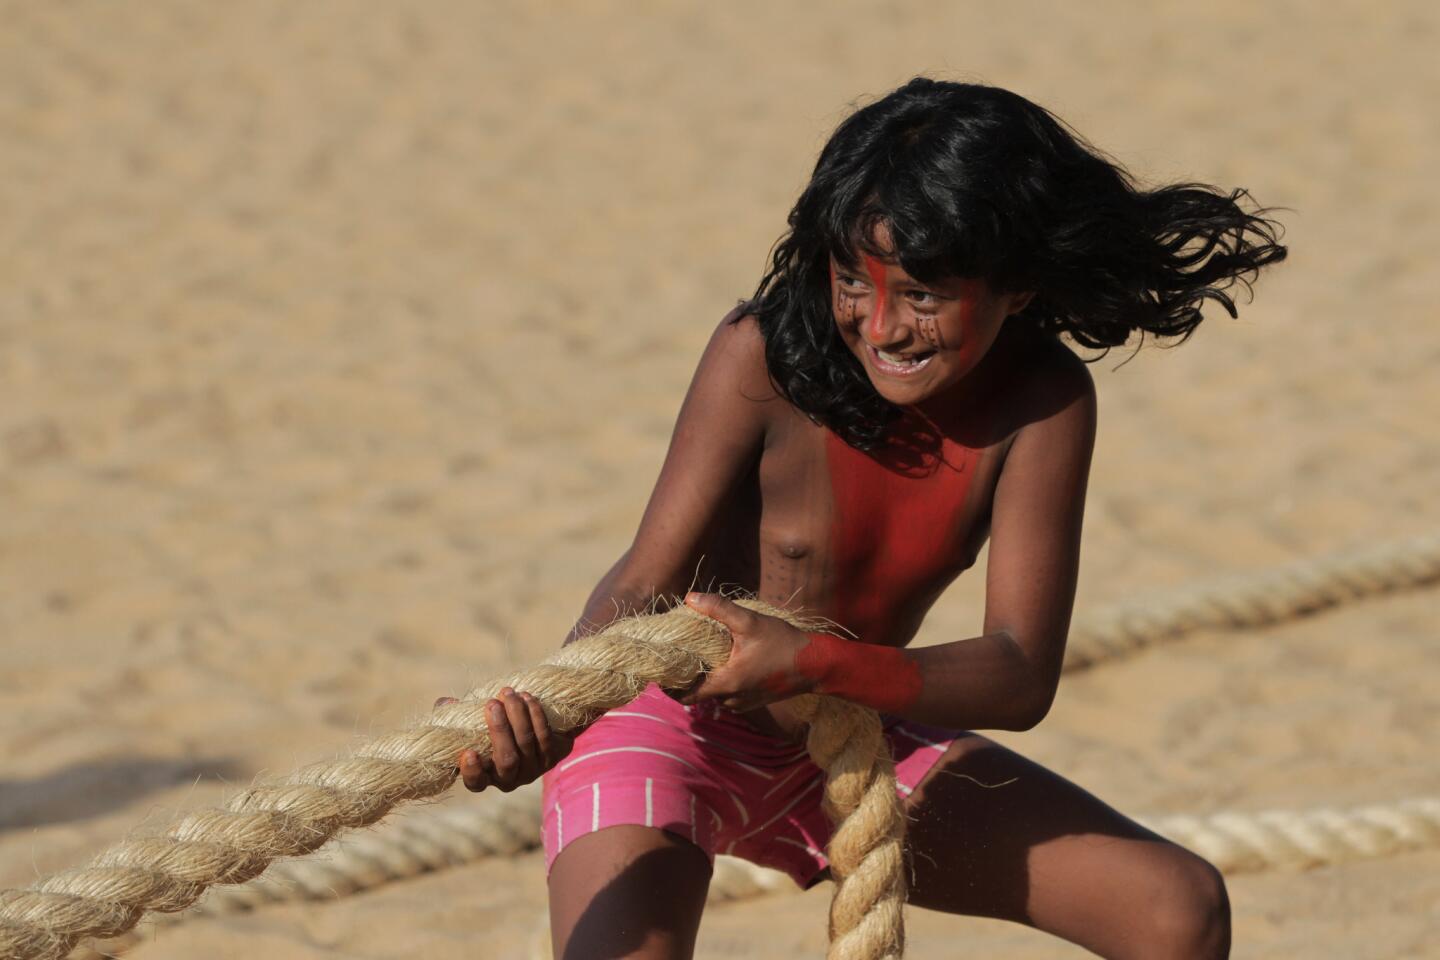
{"x":971,"y":391}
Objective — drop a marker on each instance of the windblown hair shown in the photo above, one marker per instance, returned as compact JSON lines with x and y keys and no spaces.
{"x":975,"y":181}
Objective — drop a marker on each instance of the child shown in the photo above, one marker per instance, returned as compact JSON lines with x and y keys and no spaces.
{"x":895,"y":394}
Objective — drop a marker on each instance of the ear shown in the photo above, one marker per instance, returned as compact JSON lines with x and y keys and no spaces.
{"x":1018,"y":302}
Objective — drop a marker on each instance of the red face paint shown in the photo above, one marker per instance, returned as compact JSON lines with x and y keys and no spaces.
{"x":876,"y":270}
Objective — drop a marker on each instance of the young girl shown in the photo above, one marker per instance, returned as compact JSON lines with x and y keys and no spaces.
{"x":895,"y":394}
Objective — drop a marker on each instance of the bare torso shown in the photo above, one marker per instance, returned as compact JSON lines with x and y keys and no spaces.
{"x":868,"y":540}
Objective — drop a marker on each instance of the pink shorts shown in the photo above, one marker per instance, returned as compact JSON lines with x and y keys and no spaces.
{"x":709,"y":777}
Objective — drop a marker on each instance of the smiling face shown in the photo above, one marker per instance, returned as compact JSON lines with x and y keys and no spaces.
{"x":915,"y":340}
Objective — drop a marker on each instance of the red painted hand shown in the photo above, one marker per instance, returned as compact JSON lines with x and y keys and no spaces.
{"x":761,"y":668}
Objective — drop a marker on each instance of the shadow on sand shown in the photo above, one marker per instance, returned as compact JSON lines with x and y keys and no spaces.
{"x":85,"y":790}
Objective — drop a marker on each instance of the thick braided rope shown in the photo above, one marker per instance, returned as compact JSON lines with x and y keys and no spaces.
{"x":436,"y":840}
{"x":867,"y":849}
{"x":1234,"y":841}
{"x":424,"y":841}
{"x":296,"y":814}
{"x":1256,"y":599}
{"x":1248,"y":842}
{"x":511,"y":823}
{"x":407,"y":846}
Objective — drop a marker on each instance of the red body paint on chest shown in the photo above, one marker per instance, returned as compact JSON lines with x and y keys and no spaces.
{"x":894,"y":539}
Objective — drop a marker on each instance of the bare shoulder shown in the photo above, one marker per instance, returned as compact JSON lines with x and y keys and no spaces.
{"x":730,"y":395}
{"x":1055,"y":386}
{"x":736,"y":354}
{"x":1049,"y":398}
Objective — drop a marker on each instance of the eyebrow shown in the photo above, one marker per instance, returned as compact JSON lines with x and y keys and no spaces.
{"x":910,"y":281}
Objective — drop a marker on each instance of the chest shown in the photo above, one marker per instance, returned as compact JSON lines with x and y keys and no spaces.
{"x":870,"y":538}
{"x":895,"y":518}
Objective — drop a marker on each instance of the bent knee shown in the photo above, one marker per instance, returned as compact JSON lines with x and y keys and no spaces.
{"x":1190,"y":912}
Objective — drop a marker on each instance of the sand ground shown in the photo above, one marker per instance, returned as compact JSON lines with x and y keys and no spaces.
{"x":340,"y":344}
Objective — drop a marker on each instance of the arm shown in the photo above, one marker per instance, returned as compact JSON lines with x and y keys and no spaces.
{"x":718,"y":436}
{"x":1005,"y":678}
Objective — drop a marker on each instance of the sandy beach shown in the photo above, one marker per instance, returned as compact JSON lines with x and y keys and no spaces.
{"x":340,"y":344}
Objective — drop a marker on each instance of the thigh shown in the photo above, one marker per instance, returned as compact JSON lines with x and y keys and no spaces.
{"x":627,"y":891}
{"x":994,"y":834}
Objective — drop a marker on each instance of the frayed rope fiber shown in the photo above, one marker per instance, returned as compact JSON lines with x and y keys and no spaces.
{"x":297,"y":814}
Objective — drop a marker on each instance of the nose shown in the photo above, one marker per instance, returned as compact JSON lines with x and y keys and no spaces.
{"x":878,"y":330}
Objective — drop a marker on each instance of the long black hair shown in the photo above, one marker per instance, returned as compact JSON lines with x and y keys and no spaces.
{"x":975,"y":181}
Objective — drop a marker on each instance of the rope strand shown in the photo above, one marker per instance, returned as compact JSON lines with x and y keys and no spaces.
{"x":297,"y":814}
{"x":1257,"y":599}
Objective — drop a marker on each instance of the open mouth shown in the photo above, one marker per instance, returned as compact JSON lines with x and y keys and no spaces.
{"x":899,"y":364}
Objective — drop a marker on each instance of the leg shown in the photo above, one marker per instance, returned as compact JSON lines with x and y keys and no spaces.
{"x":627,"y":891}
{"x":1043,"y":852}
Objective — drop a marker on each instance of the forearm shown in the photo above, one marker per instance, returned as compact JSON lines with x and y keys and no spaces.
{"x":618,"y":594}
{"x":985,"y":683}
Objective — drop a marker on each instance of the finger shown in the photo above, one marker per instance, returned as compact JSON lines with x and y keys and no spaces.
{"x":562,"y":744}
{"x":472,"y":771}
{"x":740,"y":704}
{"x":713,"y":685}
{"x":736,"y":700}
{"x":503,"y":755}
{"x":703,"y":691}
{"x":441,"y":701}
{"x":728,"y":612}
{"x":544,"y":738}
{"x":517,"y":714}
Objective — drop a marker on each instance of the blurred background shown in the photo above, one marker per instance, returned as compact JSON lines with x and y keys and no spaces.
{"x":340,"y":344}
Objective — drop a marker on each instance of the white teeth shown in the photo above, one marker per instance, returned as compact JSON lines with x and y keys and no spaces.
{"x":898,"y":364}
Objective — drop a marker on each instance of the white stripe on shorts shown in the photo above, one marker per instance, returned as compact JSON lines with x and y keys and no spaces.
{"x":919,"y":739}
{"x":783,"y":810}
{"x":803,"y":846}
{"x":600,"y":753}
{"x":718,"y":747}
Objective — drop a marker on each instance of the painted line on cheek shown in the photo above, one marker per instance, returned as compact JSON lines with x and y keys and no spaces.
{"x":844,"y":302}
{"x":929,"y":333}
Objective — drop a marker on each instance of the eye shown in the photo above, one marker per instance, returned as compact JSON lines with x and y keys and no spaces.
{"x":922,"y":297}
{"x":848,"y":281}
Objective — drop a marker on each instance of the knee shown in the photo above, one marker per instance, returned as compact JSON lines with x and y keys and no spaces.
{"x":1191,"y":913}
